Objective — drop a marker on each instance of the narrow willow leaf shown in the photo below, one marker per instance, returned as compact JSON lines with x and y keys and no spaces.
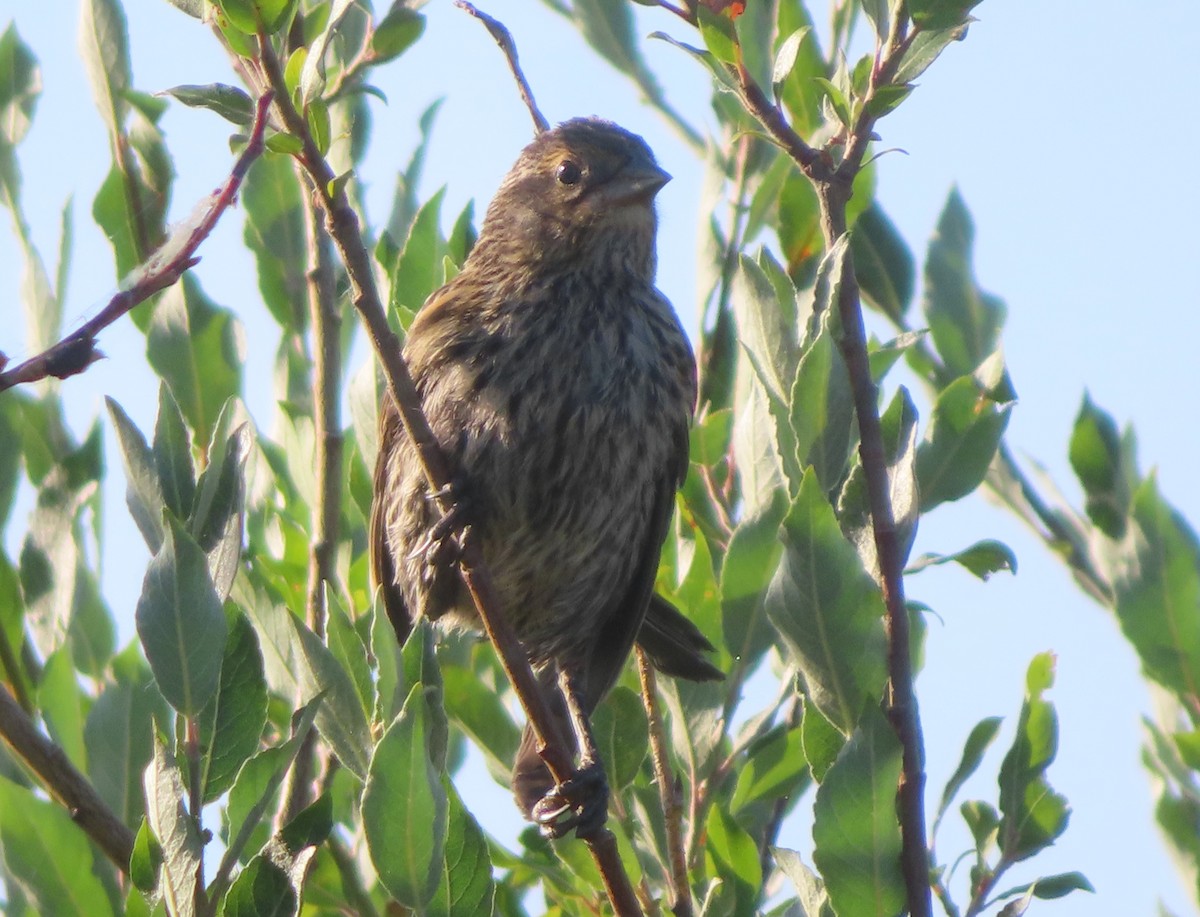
{"x":262,"y":889}
{"x":960,"y":443}
{"x":180,"y":622}
{"x":143,"y":491}
{"x":198,"y":349}
{"x":232,"y":722}
{"x":119,"y":734}
{"x":775,"y":769}
{"x":1100,"y":461}
{"x":732,"y":854}
{"x":619,"y":724}
{"x":404,"y":808}
{"x":146,"y":860}
{"x":1155,"y":572}
{"x":828,"y":610}
{"x":173,"y":456}
{"x":982,"y":559}
{"x":940,"y":14}
{"x":230,"y":102}
{"x":925,"y":48}
{"x":104,"y":46}
{"x":396,"y":33}
{"x":175,"y":831}
{"x":883,"y":263}
{"x":465,"y":885}
{"x":47,"y":857}
{"x":855,"y":831}
{"x":982,"y":735}
{"x":1033,"y":815}
{"x":964,"y":321}
{"x":274,"y":232}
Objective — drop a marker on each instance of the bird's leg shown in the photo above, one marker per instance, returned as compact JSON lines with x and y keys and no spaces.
{"x":580,"y":803}
{"x":443,"y":544}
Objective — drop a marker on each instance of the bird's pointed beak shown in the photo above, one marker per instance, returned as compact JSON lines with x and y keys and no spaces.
{"x":635,"y":184}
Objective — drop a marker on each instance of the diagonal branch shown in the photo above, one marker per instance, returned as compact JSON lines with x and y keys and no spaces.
{"x":65,"y":783}
{"x":77,"y":351}
{"x":343,"y":226}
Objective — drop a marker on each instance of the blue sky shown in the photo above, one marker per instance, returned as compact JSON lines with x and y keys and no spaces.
{"x":1068,"y":128}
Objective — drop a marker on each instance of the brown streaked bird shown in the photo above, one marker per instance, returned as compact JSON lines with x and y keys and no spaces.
{"x":561,"y":386}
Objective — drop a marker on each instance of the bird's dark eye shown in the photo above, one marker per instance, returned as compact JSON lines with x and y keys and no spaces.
{"x":568,"y":173}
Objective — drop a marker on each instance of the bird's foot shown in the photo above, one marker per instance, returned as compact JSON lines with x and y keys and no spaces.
{"x":580,"y":805}
{"x":442,"y":545}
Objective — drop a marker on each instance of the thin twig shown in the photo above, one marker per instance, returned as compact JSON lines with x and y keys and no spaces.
{"x":65,"y":783}
{"x":504,"y":39}
{"x":75,"y":352}
{"x":668,"y":791}
{"x":343,"y":226}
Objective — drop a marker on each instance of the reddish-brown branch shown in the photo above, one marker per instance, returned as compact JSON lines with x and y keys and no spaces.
{"x":77,"y":351}
{"x":342,"y":223}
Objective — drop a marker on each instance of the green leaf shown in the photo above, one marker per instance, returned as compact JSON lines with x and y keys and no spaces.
{"x":964,"y":321}
{"x":977,"y":743}
{"x":61,"y":705}
{"x":216,"y":517}
{"x":119,"y":734}
{"x":786,"y":57}
{"x":775,"y":769}
{"x":718,"y":33}
{"x":104,"y":46}
{"x":1155,"y":574}
{"x":180,"y":622}
{"x":855,"y":832}
{"x":198,"y":349}
{"x":232,"y":722}
{"x":173,"y":456}
{"x":883,"y":263}
{"x":622,"y":735}
{"x":811,"y":890}
{"x":416,"y":273}
{"x":175,"y":830}
{"x":347,"y":647}
{"x":837,"y":99}
{"x":1104,"y":468}
{"x":146,"y":860}
{"x":821,"y":405}
{"x":1033,"y":816}
{"x":733,"y":855}
{"x":821,"y":741}
{"x":898,"y":429}
{"x":404,"y":808}
{"x":230,"y":102}
{"x":940,"y":14}
{"x":480,"y":713}
{"x":257,"y":781}
{"x":465,"y":885}
{"x":828,"y":610}
{"x":20,"y":86}
{"x":927,"y":45}
{"x":298,"y":664}
{"x":750,"y":563}
{"x":274,"y":232}
{"x":960,"y":443}
{"x":47,"y":857}
{"x":262,"y":889}
{"x":398,"y":31}
{"x":982,"y":558}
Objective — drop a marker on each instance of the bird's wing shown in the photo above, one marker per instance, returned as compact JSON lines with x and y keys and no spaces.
{"x":382,"y":563}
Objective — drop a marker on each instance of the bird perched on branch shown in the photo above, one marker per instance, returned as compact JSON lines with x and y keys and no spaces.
{"x":561,"y":386}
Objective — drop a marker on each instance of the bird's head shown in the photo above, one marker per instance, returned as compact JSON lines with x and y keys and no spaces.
{"x":583,"y":190}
